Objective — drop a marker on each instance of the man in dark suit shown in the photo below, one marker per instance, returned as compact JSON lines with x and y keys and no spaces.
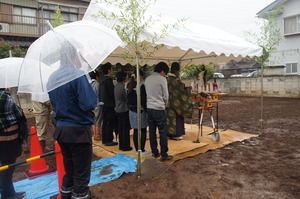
{"x":107,"y":96}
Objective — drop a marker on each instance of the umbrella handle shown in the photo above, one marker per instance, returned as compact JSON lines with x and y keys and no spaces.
{"x":49,"y":24}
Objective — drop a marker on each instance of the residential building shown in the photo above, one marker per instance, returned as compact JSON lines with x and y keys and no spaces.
{"x":23,"y":21}
{"x":288,"y":21}
{"x":245,"y":66}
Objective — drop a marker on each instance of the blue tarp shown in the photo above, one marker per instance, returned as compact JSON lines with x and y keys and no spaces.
{"x":103,"y":170}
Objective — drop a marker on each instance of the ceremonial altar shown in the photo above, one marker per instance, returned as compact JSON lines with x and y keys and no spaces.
{"x":208,"y":101}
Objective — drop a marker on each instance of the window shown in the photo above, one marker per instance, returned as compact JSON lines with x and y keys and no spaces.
{"x":24,"y":15}
{"x":291,"y":68}
{"x":69,"y":9}
{"x":47,"y":15}
{"x":6,"y":13}
{"x":292,"y":25}
{"x":69,"y":17}
{"x":69,"y":14}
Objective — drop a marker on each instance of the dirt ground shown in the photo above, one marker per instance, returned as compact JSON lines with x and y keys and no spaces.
{"x":263,"y":167}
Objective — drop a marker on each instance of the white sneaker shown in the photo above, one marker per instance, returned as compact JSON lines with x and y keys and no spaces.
{"x":144,"y":152}
{"x":177,"y":138}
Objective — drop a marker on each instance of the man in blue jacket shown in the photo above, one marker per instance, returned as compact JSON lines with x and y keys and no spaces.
{"x":72,"y":104}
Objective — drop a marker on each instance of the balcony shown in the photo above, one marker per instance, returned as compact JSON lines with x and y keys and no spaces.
{"x":23,"y":26}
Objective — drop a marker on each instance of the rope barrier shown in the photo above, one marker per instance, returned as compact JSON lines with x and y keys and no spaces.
{"x":27,"y":160}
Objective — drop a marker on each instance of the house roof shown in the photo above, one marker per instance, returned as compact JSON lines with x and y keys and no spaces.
{"x":265,"y":11}
{"x":243,"y":63}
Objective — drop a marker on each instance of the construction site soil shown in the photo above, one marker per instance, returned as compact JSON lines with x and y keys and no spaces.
{"x":266,"y":166}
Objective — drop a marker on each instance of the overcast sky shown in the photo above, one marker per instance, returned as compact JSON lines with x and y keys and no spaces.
{"x":233,"y":16}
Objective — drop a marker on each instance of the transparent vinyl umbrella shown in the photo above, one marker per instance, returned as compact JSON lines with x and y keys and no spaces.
{"x":9,"y":70}
{"x":66,"y":52}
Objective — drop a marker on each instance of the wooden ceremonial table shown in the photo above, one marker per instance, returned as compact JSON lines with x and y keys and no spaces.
{"x":210,"y":104}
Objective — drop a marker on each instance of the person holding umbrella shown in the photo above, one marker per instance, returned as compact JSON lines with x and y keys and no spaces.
{"x":11,"y":116}
{"x":59,"y":62}
{"x":73,"y":103}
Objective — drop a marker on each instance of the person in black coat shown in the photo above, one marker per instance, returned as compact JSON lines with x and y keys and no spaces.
{"x":106,"y":90}
{"x":132,"y":104}
{"x":12,"y":120}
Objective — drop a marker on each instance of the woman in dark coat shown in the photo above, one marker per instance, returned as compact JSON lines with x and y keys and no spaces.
{"x":132,"y":105}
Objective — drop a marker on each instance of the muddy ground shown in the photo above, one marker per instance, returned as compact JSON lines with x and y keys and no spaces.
{"x":267,"y":166}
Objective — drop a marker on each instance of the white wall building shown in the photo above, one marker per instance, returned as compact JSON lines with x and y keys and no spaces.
{"x":288,"y":21}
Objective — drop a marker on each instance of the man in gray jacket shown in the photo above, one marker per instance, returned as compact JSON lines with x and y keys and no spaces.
{"x":157,"y":98}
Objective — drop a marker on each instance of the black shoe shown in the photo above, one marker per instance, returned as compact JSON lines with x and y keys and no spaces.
{"x":66,"y":192}
{"x":111,"y":144}
{"x":157,"y":155}
{"x":17,"y":195}
{"x":81,"y":195}
{"x":169,"y":157}
{"x":126,"y":149}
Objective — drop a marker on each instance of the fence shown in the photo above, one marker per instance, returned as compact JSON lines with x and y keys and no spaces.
{"x":273,"y":86}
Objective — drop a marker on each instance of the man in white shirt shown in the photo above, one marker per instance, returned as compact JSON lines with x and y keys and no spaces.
{"x":157,"y":98}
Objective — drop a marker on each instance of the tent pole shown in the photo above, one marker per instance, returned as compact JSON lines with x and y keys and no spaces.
{"x":138,"y":93}
{"x":261,"y":121}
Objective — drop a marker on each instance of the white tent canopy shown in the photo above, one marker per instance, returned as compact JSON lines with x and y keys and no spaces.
{"x":190,"y":43}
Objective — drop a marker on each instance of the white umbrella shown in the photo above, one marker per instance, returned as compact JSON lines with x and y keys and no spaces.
{"x":80,"y":45}
{"x":10,"y":73}
{"x":9,"y":70}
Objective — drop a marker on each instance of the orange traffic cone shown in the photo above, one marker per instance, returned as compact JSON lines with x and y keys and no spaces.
{"x":37,"y":167}
{"x":60,"y":168}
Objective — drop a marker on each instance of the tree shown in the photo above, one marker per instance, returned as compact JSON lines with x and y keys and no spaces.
{"x":5,"y":47}
{"x":58,"y":19}
{"x":268,"y":38}
{"x":269,"y":35}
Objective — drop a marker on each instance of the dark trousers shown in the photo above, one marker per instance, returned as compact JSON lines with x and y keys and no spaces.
{"x":157,"y":119}
{"x":143,"y":139}
{"x":124,"y":130}
{"x":6,"y":184}
{"x":77,"y":162}
{"x":179,"y":126}
{"x":9,"y":151}
{"x":108,"y":125}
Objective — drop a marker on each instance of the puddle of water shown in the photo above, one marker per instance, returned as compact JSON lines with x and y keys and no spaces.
{"x":107,"y":170}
